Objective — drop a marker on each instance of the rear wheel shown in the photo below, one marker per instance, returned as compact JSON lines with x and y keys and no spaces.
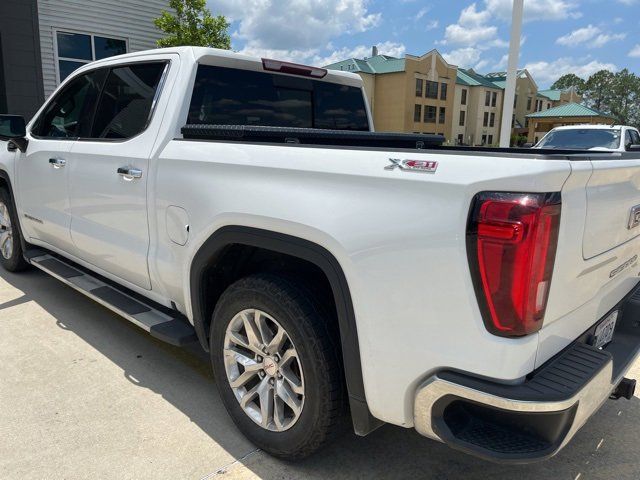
{"x":10,"y":247}
{"x":277,"y":369}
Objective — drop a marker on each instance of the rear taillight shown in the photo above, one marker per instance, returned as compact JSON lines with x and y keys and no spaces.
{"x":512,"y":239}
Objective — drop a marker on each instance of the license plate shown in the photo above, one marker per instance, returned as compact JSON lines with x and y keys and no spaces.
{"x":604,"y":331}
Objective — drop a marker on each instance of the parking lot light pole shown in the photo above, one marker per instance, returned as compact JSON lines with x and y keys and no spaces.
{"x":512,"y":71}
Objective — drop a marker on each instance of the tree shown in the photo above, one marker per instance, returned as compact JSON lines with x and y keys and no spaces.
{"x":599,"y":90}
{"x":192,"y":24}
{"x":570,"y":80}
{"x":623,"y":104}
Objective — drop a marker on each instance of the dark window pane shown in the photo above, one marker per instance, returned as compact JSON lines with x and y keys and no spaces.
{"x":442,"y":116}
{"x":108,"y":47}
{"x":227,"y":96}
{"x":69,"y":114}
{"x":443,"y":91}
{"x":583,"y":138}
{"x":74,"y":45}
{"x":125,"y":103}
{"x":487,"y":99}
{"x":417,"y":113}
{"x":432,"y":89}
{"x":494,"y":98}
{"x":66,"y":68}
{"x":429,"y":114}
{"x":462,"y":117}
{"x":418,"y":87}
{"x":463,"y":100}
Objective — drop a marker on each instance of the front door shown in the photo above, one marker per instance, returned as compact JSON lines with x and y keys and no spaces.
{"x":42,"y":171}
{"x":108,"y":174}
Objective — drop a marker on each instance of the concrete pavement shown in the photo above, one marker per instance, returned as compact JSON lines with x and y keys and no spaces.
{"x":85,"y":394}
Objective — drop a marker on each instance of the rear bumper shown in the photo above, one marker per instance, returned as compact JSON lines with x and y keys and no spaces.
{"x":535,"y":419}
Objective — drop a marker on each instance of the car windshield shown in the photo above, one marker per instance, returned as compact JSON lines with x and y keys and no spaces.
{"x":582,"y":138}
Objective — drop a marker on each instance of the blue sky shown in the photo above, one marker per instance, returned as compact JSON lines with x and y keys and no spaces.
{"x":559,"y":36}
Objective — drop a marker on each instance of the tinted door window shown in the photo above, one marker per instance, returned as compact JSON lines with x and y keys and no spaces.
{"x":227,"y":96}
{"x":582,"y":139}
{"x":125,"y":104}
{"x":70,"y":112}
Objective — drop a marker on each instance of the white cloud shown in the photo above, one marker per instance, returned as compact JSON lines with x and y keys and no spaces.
{"x":467,"y":57}
{"x":535,"y":9}
{"x":635,"y":51}
{"x":298,"y":24}
{"x":546,"y":73}
{"x":422,"y":12}
{"x":578,"y":36}
{"x":432,"y":25}
{"x":590,"y":35}
{"x":471,"y":29}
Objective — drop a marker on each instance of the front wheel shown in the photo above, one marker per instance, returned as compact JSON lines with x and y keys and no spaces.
{"x":276,"y":366}
{"x":11,"y":257}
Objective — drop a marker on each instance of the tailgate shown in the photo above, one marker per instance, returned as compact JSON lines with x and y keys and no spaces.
{"x":598,"y":250}
{"x":613,"y":206}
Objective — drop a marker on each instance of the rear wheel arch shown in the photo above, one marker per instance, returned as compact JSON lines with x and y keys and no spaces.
{"x":214,"y":249}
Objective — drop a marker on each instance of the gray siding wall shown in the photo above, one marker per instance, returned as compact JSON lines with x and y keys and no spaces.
{"x":20,"y":74}
{"x":130,"y":19}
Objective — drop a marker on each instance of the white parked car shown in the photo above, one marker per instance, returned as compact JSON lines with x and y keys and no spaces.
{"x":487,"y":298}
{"x":616,"y":138}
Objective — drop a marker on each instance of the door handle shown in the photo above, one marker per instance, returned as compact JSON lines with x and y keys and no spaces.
{"x":57,"y":162}
{"x":129,"y":173}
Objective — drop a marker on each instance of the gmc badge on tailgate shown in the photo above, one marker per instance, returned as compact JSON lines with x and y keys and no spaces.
{"x":634,"y":217}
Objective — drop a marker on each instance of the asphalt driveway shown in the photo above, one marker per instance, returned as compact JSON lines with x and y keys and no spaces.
{"x":85,"y":394}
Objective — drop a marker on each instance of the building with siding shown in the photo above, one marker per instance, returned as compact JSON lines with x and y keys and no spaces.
{"x":43,"y":41}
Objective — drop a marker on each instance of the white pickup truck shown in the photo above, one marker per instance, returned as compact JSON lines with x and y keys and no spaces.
{"x":487,"y":298}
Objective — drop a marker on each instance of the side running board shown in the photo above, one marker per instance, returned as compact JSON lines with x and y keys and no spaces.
{"x":174,"y":330}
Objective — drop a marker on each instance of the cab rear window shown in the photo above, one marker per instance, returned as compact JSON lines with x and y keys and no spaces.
{"x":229,"y":96}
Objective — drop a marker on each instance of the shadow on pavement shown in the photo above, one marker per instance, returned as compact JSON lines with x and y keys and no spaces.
{"x":607,"y":447}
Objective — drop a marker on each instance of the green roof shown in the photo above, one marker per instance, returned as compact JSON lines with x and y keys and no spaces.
{"x":377,"y":64}
{"x":472,"y":79}
{"x":569,"y":110}
{"x":551,"y":94}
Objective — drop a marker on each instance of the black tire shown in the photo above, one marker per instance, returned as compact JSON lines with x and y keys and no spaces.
{"x":301,"y":314}
{"x":16,"y":261}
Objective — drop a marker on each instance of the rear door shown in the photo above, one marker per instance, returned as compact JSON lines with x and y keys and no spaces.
{"x":108,"y":173}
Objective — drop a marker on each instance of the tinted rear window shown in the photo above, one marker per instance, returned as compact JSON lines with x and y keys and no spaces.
{"x":228,"y":96}
{"x":582,"y":138}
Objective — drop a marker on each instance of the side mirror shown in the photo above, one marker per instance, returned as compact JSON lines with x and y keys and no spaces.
{"x":527,"y":145}
{"x":14,"y":129}
{"x":633,"y":147}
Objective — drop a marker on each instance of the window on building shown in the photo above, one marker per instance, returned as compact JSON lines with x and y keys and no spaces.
{"x":548,"y":106}
{"x":492,"y":120}
{"x":484,"y":139}
{"x":419,"y":83}
{"x":485,"y":123}
{"x":487,"y":99}
{"x":77,"y":49}
{"x":494,"y":99}
{"x":490,"y":139}
{"x":463,"y":99}
{"x":513,"y":121}
{"x":429,"y":114}
{"x":126,"y":100}
{"x":432,"y":90}
{"x":228,"y":96}
{"x":442,"y":116}
{"x":526,"y":123}
{"x":443,"y":91}
{"x":515,"y":101}
{"x":460,"y":139}
{"x":529,"y":100}
{"x":463,"y":114}
{"x":417,"y":113}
